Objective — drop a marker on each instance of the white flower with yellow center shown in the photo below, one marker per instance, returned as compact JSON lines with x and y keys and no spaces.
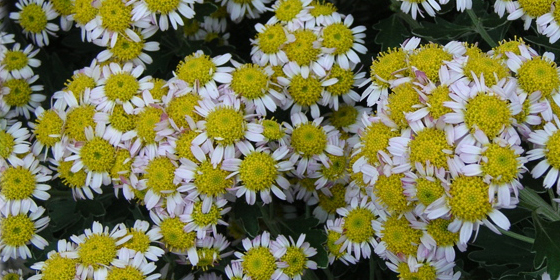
{"x":412,"y":7}
{"x":11,"y":274}
{"x":132,"y":266}
{"x":528,"y":10}
{"x":225,"y":126}
{"x":291,"y":13}
{"x":210,"y":251}
{"x":260,"y":172}
{"x":98,"y":248}
{"x":168,"y":11}
{"x":424,"y":186}
{"x":547,"y":143}
{"x":33,"y":16}
{"x":268,"y":45}
{"x":204,"y":217}
{"x":96,"y":156}
{"x":17,"y":63}
{"x":76,"y":181}
{"x":22,"y":182}
{"x":431,"y":266}
{"x":239,"y":9}
{"x":199,"y":73}
{"x":321,"y":14}
{"x":13,"y":142}
{"x":258,"y":261}
{"x":120,"y":86}
{"x":293,"y":256}
{"x":78,"y":88}
{"x":333,"y":229}
{"x":48,"y":129}
{"x":347,"y":82}
{"x":19,"y":96}
{"x":340,"y":42}
{"x":60,"y":264}
{"x":174,"y":236}
{"x":127,"y":50}
{"x":398,"y":235}
{"x":357,"y":235}
{"x":17,"y":230}
{"x":142,"y":239}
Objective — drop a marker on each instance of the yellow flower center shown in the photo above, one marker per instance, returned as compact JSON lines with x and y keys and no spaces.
{"x":492,"y":69}
{"x":436,"y":99}
{"x":63,"y":7}
{"x":79,"y":83}
{"x":337,"y":167}
{"x":288,"y":9}
{"x":305,"y":92}
{"x":98,"y":155}
{"x":375,"y":138}
{"x":538,"y":74}
{"x":7,"y":144}
{"x":98,"y":250}
{"x":259,"y":264}
{"x":331,"y":203}
{"x":402,"y":100}
{"x":295,"y":259}
{"x":488,"y":113}
{"x":258,"y":171}
{"x":140,"y":241}
{"x":322,"y":9}
{"x":77,"y":121}
{"x":428,"y":191}
{"x":385,"y":66}
{"x":357,"y":225}
{"x":126,"y":273}
{"x":205,"y":219}
{"x":552,"y":150}
{"x":15,"y":60}
{"x":182,"y":106}
{"x":428,"y":59}
{"x":184,"y":143}
{"x":225,"y":125}
{"x":425,"y":272}
{"x":59,"y":268}
{"x":69,"y":178}
{"x":12,"y":276}
{"x":159,"y":90}
{"x":250,"y":81}
{"x":125,"y":49}
{"x":211,"y":181}
{"x":535,"y":8}
{"x":338,"y":36}
{"x":469,"y":199}
{"x":33,"y":18}
{"x":122,"y":121}
{"x":174,"y":237}
{"x":309,"y":140}
{"x":389,"y":191}
{"x":20,"y":92}
{"x":345,"y":80}
{"x":116,"y":15}
{"x":123,"y":164}
{"x":272,"y":130}
{"x":121,"y":86}
{"x":160,"y":174}
{"x":17,"y":183}
{"x":332,"y":247}
{"x":438,"y":230}
{"x":344,"y":117}
{"x":196,"y":68}
{"x":302,"y":50}
{"x":162,"y":6}
{"x":271,"y":39}
{"x":502,"y":164}
{"x":430,"y":145}
{"x":505,"y":46}
{"x":49,"y":123}
{"x":400,"y":237}
{"x":17,"y":230}
{"x":84,"y":11}
{"x":146,"y":123}
{"x":207,"y":257}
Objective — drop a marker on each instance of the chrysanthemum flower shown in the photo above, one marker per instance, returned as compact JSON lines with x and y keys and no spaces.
{"x":64,"y":9}
{"x":334,"y":248}
{"x":17,"y":63}
{"x":210,"y":251}
{"x":321,"y":14}
{"x":260,"y":172}
{"x":528,"y":10}
{"x":76,"y":181}
{"x":291,"y":13}
{"x":258,"y":261}
{"x":425,"y":186}
{"x":48,"y":130}
{"x":347,"y":81}
{"x":14,"y":140}
{"x":340,"y":42}
{"x":78,"y":88}
{"x":503,"y":6}
{"x":174,"y":236}
{"x":427,"y":60}
{"x":199,"y":73}
{"x":269,"y":43}
{"x":19,"y":96}
{"x":142,"y":239}
{"x":413,"y":7}
{"x":132,"y":266}
{"x":422,"y":267}
{"x":127,"y":50}
{"x":98,"y":248}
{"x":171,"y":11}
{"x":204,"y":217}
{"x":17,"y":230}
{"x":439,"y":239}
{"x":21,"y":183}
{"x":34,"y":16}
{"x":12,"y":274}
{"x":83,"y":12}
{"x":397,"y":235}
{"x":293,"y":256}
{"x":358,"y":236}
{"x":60,"y":264}
{"x":238,"y":10}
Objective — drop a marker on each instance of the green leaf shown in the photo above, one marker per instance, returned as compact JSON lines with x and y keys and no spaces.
{"x":61,"y":212}
{"x":392,"y":32}
{"x":249,"y":215}
{"x":203,"y":10}
{"x":442,"y":31}
{"x":547,"y":245}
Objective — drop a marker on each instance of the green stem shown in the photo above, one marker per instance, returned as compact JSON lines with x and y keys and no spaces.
{"x":371,"y":268}
{"x":412,"y":22}
{"x":268,"y":218}
{"x":517,"y":236}
{"x":532,"y":201}
{"x":329,"y":274}
{"x":480,"y":28}
{"x":551,"y":195}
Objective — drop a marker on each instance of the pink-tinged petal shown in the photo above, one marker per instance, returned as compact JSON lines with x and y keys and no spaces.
{"x":540,"y":169}
{"x":499,"y":219}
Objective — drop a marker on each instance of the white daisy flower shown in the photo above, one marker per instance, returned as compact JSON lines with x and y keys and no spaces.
{"x":19,"y":96}
{"x":129,"y":265}
{"x":347,"y":82}
{"x":358,"y":236}
{"x":14,"y":139}
{"x":34,"y":17}
{"x":47,"y":130}
{"x":76,"y":181}
{"x":293,"y":256}
{"x":210,"y":251}
{"x":258,"y":261}
{"x":333,"y":229}
{"x":503,"y":6}
{"x":545,"y":141}
{"x":430,"y":266}
{"x":438,"y":240}
{"x":291,"y":13}
{"x":22,"y":182}
{"x":126,"y":50}
{"x":412,"y":7}
{"x":398,"y":235}
{"x":238,"y":10}
{"x":174,"y":236}
{"x":78,"y":88}
{"x":169,"y":12}
{"x":342,"y":43}
{"x":17,"y":230}
{"x":61,"y":261}
{"x":142,"y":239}
{"x":204,"y":217}
{"x":321,"y":14}
{"x":268,"y":45}
{"x":17,"y":63}
{"x":529,"y":10}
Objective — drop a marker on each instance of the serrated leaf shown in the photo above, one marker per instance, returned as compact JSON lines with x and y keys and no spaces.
{"x":392,"y":32}
{"x":61,"y":212}
{"x":547,"y":245}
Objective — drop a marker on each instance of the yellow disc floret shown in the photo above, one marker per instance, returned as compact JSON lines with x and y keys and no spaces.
{"x":33,"y":18}
{"x":16,"y":230}
{"x":15,"y":60}
{"x":428,"y":191}
{"x":121,"y":86}
{"x":345,"y":80}
{"x":17,"y":183}
{"x":69,"y":178}
{"x":7,"y":144}
{"x":121,"y":120}
{"x":211,"y":181}
{"x":357,"y":225}
{"x":302,"y":49}
{"x":116,"y":15}
{"x":77,"y":121}
{"x":183,"y":106}
{"x":428,"y":59}
{"x":174,"y":237}
{"x":160,"y":174}
{"x":538,"y":74}
{"x":125,"y":273}
{"x":502,"y":165}
{"x":79,"y":83}
{"x":249,"y":81}
{"x":491,"y":68}
{"x":386,"y":65}
{"x":438,"y":230}
{"x":225,"y":125}
{"x":202,"y":219}
{"x":125,"y":49}
{"x":375,"y":138}
{"x":436,"y":99}
{"x":424,"y":272}
{"x":309,"y":140}
{"x":259,"y":263}
{"x":488,"y":113}
{"x":272,"y":130}
{"x":140,"y":241}
{"x":63,"y":7}
{"x":430,"y":145}
{"x":184,"y":143}
{"x":58,"y":267}
{"x":469,"y":199}
{"x":402,"y":100}
{"x":339,"y":37}
{"x":336,"y":169}
{"x":400,"y":237}
{"x":535,"y":8}
{"x":321,"y":8}
{"x":295,"y":259}
{"x":331,"y":203}
{"x":195,"y":69}
{"x":49,"y":128}
{"x":552,"y":150}
{"x":258,"y":171}
{"x":98,"y":155}
{"x":84,"y":11}
{"x":305,"y":92}
{"x":288,"y":9}
{"x":271,"y":38}
{"x":123,"y":164}
{"x":389,"y":191}
{"x":146,"y":123}
{"x":97,"y":250}
{"x":20,"y":92}
{"x":162,"y":6}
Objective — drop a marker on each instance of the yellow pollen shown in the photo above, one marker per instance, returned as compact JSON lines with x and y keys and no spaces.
{"x":272,"y":130}
{"x":357,"y":225}
{"x":159,"y":90}
{"x":535,"y":8}
{"x":469,"y":199}
{"x":345,"y":116}
{"x":428,"y":59}
{"x":162,"y":6}
{"x":49,"y":128}
{"x":430,"y":145}
{"x":160,"y":174}
{"x":125,"y":49}
{"x":505,"y":46}
{"x":502,"y":164}
{"x":436,"y":99}
{"x":15,"y":60}
{"x":59,"y":268}
{"x":336,"y":169}
{"x":18,"y":183}
{"x":64,"y":8}
{"x":250,"y":81}
{"x":345,"y":80}
{"x":538,"y":74}
{"x":258,"y":171}
{"x":322,"y":9}
{"x":98,"y":155}
{"x":302,"y":50}
{"x":207,"y":257}
{"x":305,"y":92}
{"x":402,"y":100}
{"x":491,"y":68}
{"x":97,"y":250}
{"x":125,"y":273}
{"x":69,"y":178}
{"x":7,"y":144}
{"x":79,"y":83}
{"x":428,"y":191}
{"x":443,"y":237}
{"x":488,"y":113}
{"x":389,"y":191}
{"x":116,"y":15}
{"x":140,"y":241}
{"x":288,"y":9}
{"x":211,"y":181}
{"x":77,"y":121}
{"x":552,"y":150}
{"x":174,"y":237}
{"x":84,"y":11}
{"x":184,"y":143}
{"x":424,"y":272}
{"x":338,"y":36}
{"x":122,"y":166}
{"x":121,"y":86}
{"x":400,"y":237}
{"x":205,"y":219}
{"x":309,"y":140}
{"x":146,"y":123}
{"x":331,"y":203}
{"x":332,"y":247}
{"x":33,"y":18}
{"x":295,"y":259}
{"x":122,"y":121}
{"x":386,"y":65}
{"x":271,"y":38}
{"x":183,"y":106}
{"x":225,"y":125}
{"x":20,"y":92}
{"x":16,"y":230}
{"x":375,"y":138}
{"x":195,"y":69}
{"x":258,"y":263}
